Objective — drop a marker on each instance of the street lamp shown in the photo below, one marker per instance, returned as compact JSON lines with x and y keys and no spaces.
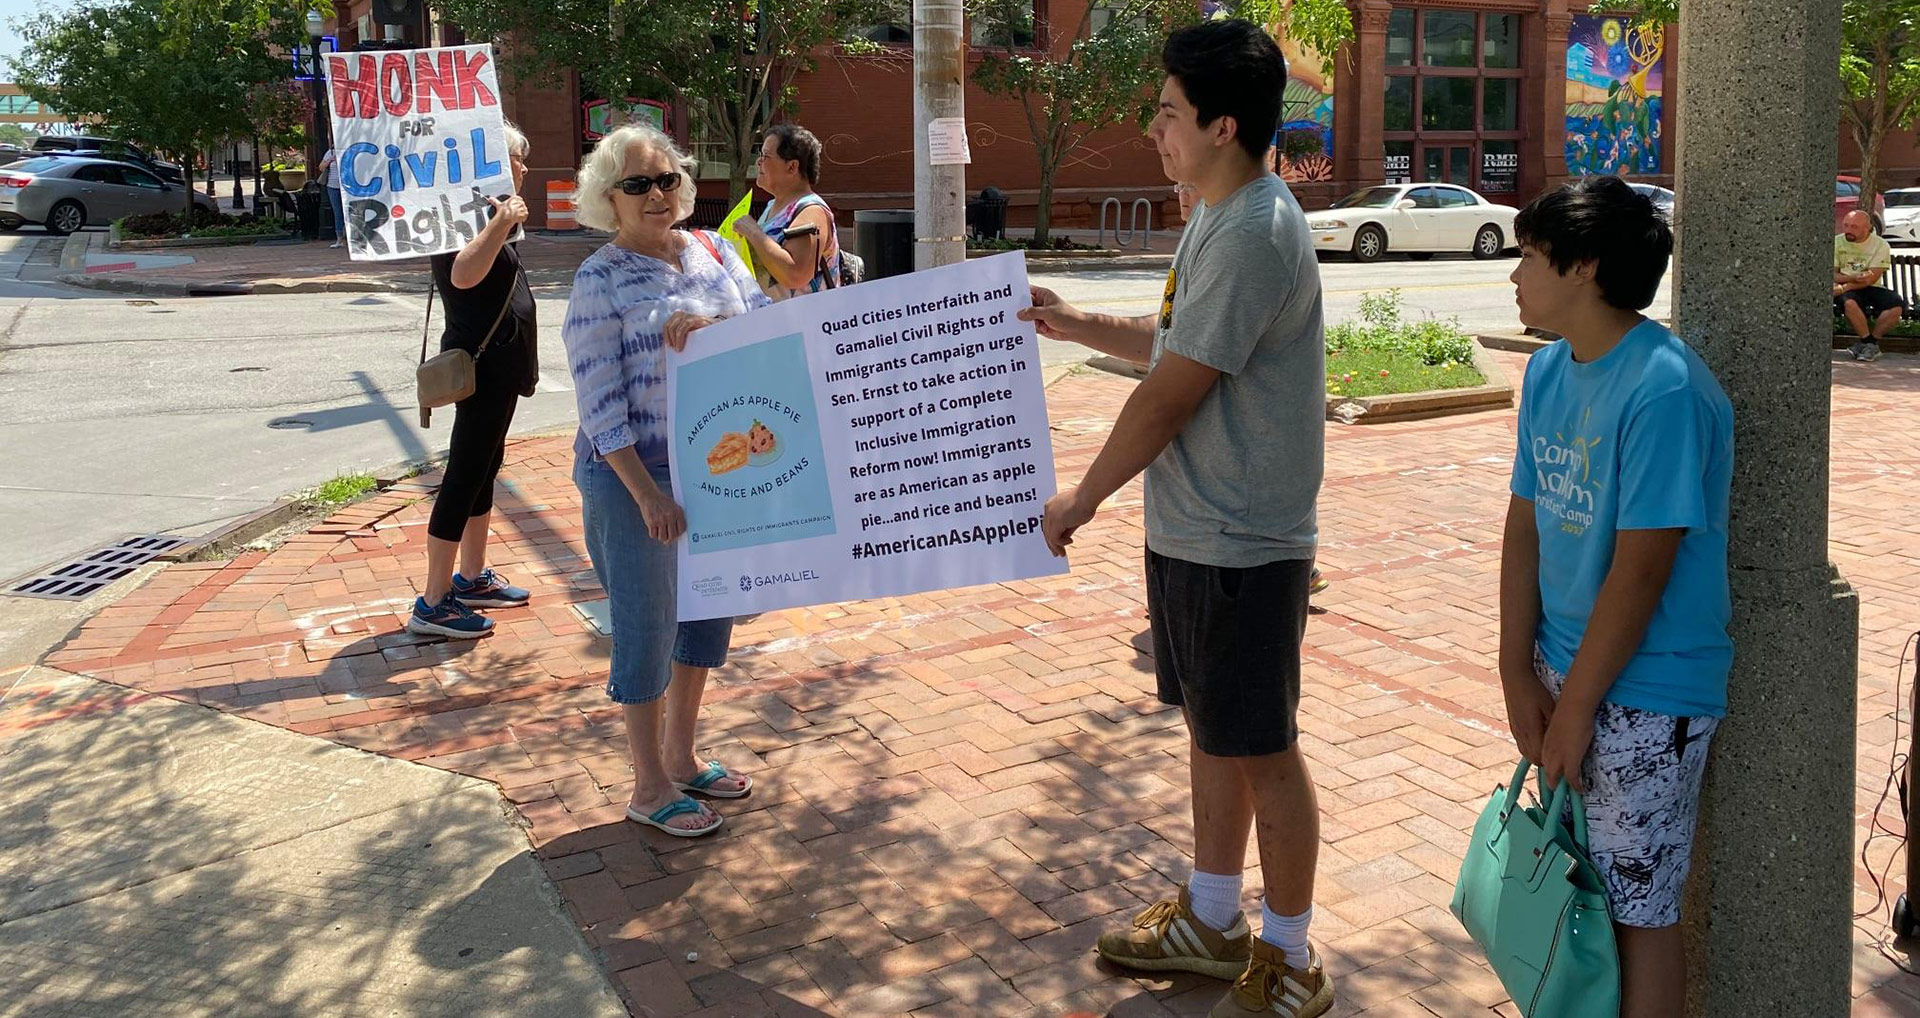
{"x":316,"y":27}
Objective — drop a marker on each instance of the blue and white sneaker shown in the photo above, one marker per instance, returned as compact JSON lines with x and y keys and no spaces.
{"x":449,"y":618}
{"x":489,"y":590}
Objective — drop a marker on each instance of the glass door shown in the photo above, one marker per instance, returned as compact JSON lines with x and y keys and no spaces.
{"x":1447,"y":164}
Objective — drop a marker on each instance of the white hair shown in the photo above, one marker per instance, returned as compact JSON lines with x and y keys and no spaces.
{"x":605,"y":165}
{"x":517,"y":143}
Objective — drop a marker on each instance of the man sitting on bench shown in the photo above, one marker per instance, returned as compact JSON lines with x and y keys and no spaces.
{"x":1860,"y":261}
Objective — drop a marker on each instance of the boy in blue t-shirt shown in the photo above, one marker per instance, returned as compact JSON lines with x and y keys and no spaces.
{"x":1614,"y":601}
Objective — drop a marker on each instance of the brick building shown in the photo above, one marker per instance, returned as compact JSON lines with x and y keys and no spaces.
{"x":1505,"y":96}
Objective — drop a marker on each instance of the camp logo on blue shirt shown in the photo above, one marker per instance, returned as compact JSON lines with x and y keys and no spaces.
{"x":1639,"y":439}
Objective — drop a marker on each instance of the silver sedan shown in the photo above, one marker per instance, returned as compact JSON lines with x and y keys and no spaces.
{"x":65,"y":194}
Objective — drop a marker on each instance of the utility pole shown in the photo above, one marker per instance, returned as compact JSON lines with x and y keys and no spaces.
{"x":939,"y":78}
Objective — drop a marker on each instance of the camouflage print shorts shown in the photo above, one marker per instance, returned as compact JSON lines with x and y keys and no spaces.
{"x":1642,"y":776}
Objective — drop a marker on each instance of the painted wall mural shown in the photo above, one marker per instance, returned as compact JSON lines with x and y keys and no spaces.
{"x":1614,"y":96}
{"x":1306,"y":116}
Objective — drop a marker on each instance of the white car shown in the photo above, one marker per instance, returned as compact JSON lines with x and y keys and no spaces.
{"x":1902,"y":220}
{"x":1420,"y":219}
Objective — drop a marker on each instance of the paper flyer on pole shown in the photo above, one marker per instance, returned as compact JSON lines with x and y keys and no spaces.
{"x":421,"y":146}
{"x":867,"y":441}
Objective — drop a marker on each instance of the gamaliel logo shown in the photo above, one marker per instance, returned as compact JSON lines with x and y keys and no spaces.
{"x":746,"y":583}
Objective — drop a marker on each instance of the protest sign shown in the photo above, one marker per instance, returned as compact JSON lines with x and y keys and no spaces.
{"x":868,"y":441}
{"x":421,"y":146}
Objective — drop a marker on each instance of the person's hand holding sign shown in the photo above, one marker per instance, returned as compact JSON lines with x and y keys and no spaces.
{"x":1064,"y":514}
{"x":512,"y":211}
{"x":682,"y":324}
{"x":666,"y":521}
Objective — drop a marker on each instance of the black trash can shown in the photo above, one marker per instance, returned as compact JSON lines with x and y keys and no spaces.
{"x":311,"y":200}
{"x":990,"y":220}
{"x":884,"y":240}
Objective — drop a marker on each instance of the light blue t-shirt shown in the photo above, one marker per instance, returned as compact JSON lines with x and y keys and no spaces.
{"x":1640,"y":439}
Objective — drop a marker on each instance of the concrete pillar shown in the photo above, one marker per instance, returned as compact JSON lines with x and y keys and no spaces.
{"x":1769,"y":930}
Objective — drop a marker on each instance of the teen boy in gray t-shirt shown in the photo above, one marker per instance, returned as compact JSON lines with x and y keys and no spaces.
{"x":1228,"y":427}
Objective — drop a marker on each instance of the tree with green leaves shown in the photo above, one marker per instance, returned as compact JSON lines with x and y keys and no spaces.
{"x":1879,"y":70}
{"x":176,"y":75}
{"x":1104,"y":70}
{"x":735,"y":61}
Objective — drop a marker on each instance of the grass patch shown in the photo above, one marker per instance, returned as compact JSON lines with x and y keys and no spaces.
{"x":1026,"y":244}
{"x":204,"y":223}
{"x":1382,"y":354}
{"x":1388,"y":372}
{"x":341,"y":490}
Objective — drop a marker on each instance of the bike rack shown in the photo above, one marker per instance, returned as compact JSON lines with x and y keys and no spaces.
{"x":1136,"y":222}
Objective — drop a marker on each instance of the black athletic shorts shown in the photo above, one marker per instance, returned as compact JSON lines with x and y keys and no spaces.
{"x":1226,"y":647}
{"x":1874,"y":301}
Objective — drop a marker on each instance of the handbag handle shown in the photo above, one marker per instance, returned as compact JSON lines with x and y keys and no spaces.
{"x":425,"y":323}
{"x":1563,"y":796}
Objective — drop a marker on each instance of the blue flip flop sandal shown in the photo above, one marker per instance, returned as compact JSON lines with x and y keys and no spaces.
{"x":715,"y":771}
{"x":679,"y":807}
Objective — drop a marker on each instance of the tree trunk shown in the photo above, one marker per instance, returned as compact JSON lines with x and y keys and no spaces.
{"x":186,"y":171}
{"x":1043,"y":212}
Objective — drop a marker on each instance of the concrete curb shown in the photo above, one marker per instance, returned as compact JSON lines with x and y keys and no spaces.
{"x":73,"y":255}
{"x":114,"y":243}
{"x":1412,"y":406}
{"x":1512,"y":342}
{"x":165,"y":286}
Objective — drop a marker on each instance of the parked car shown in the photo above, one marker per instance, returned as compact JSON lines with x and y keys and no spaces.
{"x":1846,"y":198}
{"x":1662,"y":198}
{"x":1902,"y":219}
{"x":64,"y":194}
{"x":1420,"y":219}
{"x":94,"y":146}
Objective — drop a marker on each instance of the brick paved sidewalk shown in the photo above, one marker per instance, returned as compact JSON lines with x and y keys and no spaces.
{"x":959,"y":791}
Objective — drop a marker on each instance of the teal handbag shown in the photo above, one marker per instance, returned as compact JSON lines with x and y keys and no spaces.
{"x":1531,"y":897}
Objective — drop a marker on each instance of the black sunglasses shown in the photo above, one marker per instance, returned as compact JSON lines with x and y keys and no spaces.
{"x":666,"y":182}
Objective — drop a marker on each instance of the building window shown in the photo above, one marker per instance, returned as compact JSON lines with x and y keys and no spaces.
{"x":1452,"y":104}
{"x":1400,"y":38}
{"x":896,"y":29}
{"x":1502,"y":40}
{"x":1446,"y":104}
{"x":1010,"y":24}
{"x":1100,"y":15}
{"x":1399,"y":103}
{"x":1447,"y":38}
{"x":1500,"y":104}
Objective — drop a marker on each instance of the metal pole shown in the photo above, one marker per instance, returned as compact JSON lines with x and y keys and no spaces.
{"x":314,"y":149}
{"x":939,"y":76}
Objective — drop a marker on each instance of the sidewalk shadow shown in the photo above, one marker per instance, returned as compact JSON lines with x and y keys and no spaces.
{"x":378,"y":409}
{"x":159,"y":853}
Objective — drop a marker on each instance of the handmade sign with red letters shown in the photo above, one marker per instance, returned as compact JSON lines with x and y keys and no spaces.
{"x":421,"y":146}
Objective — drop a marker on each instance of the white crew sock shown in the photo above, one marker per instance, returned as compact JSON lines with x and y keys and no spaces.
{"x":1288,"y":933}
{"x":1215,"y":897}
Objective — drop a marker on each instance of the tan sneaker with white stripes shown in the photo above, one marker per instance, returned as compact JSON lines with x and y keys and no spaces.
{"x":1271,"y":987}
{"x":1169,"y":937}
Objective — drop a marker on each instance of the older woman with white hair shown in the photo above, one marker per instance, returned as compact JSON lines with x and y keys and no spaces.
{"x":633,"y":299}
{"x":490,"y":314}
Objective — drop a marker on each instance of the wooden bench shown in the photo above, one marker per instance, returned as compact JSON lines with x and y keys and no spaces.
{"x":1904,"y":279}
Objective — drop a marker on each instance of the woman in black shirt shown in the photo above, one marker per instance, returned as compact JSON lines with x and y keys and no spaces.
{"x":489,"y":313}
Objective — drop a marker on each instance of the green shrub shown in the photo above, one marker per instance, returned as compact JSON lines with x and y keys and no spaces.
{"x":1380,"y":329}
{"x":205,"y":223}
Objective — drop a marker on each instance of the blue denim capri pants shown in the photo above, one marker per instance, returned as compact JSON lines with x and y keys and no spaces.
{"x":640,"y":576}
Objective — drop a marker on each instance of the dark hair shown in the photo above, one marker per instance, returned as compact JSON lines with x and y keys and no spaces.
{"x":1230,"y":68}
{"x":1601,"y":220}
{"x":798,"y":144}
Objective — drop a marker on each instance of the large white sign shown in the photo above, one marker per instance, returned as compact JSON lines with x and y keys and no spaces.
{"x":421,"y":146}
{"x":868,"y":441}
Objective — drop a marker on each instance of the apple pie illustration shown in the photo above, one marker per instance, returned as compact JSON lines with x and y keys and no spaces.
{"x":729,"y":454}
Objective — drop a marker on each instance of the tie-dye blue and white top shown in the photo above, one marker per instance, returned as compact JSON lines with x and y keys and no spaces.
{"x":615,"y":347}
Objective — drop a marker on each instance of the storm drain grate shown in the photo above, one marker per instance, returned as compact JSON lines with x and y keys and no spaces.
{"x":86,"y":575}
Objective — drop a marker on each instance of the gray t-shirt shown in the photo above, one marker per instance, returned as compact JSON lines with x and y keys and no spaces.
{"x":1237,"y":487}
